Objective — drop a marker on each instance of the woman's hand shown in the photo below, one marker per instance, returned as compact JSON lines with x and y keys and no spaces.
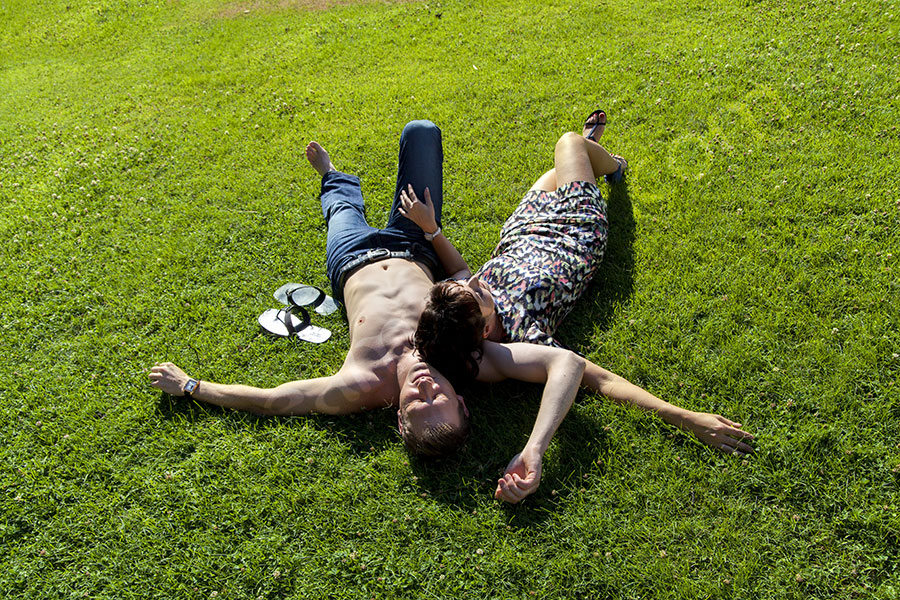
{"x":420,"y":213}
{"x":522,"y":477}
{"x":720,"y":433}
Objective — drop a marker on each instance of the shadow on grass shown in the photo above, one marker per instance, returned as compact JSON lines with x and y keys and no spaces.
{"x":503,"y":415}
{"x":613,"y":282}
{"x":363,"y":432}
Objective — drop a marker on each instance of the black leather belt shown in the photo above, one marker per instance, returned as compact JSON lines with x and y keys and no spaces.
{"x":369,"y":256}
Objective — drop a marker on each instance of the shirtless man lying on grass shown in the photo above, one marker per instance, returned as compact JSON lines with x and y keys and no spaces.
{"x":383,"y":276}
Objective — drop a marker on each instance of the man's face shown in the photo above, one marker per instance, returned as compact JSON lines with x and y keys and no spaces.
{"x":480,"y":291}
{"x":427,"y":399}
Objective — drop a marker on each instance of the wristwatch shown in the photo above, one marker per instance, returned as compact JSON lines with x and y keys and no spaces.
{"x":430,"y":236}
{"x":190,"y":387}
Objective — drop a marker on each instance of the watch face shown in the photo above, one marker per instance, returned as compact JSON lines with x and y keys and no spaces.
{"x":190,"y":386}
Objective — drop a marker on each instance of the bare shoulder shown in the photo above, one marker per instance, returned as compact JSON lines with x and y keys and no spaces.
{"x":371,"y":377}
{"x":489,"y":365}
{"x":350,"y":390}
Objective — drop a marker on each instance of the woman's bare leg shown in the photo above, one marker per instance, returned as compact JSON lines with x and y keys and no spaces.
{"x":577,"y":159}
{"x":546,"y":182}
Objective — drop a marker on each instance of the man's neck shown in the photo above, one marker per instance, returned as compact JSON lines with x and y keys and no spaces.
{"x":405,"y":362}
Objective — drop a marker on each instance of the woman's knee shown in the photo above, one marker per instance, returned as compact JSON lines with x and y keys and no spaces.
{"x":569,"y":140}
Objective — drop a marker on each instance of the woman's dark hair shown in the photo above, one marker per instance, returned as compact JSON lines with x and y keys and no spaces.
{"x":450,"y":335}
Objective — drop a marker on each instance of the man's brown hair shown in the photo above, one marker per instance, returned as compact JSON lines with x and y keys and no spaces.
{"x":436,"y":441}
{"x":450,"y":334}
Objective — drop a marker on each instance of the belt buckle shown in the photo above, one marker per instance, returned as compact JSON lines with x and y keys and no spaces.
{"x":377,"y":253}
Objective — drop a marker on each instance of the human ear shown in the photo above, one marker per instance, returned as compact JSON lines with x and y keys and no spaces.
{"x":463,"y":403}
{"x":399,"y":423}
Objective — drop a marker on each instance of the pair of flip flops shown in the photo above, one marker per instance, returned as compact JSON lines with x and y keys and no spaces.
{"x":294,"y":320}
{"x":619,"y":174}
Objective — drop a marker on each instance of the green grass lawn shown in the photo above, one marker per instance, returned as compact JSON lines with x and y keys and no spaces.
{"x":153,"y":195}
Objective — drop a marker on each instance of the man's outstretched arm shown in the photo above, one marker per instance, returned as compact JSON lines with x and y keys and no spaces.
{"x":713,"y":430}
{"x":341,"y":393}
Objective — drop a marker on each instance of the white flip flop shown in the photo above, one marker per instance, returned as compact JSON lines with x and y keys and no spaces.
{"x":285,"y":322}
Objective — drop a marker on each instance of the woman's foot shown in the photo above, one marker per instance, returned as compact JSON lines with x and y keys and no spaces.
{"x":594,"y":125}
{"x":318,"y":158}
{"x":619,"y":174}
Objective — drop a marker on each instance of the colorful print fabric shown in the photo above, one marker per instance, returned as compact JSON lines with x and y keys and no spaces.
{"x":549,"y":249}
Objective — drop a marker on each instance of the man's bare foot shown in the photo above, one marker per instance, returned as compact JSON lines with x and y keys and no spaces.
{"x":318,"y":158}
{"x":594,"y":125}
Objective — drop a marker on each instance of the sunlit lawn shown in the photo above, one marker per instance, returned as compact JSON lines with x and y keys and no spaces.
{"x":154,"y":195}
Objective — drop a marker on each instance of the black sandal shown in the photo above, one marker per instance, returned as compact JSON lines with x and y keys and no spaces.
{"x":619,"y":174}
{"x":298,"y":294}
{"x":601,"y":122}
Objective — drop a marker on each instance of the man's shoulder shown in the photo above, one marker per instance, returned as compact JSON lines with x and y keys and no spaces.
{"x":362,"y":368}
{"x":371,"y":371}
{"x":355,"y":388}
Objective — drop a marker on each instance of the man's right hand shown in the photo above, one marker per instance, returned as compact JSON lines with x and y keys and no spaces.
{"x":169,"y":378}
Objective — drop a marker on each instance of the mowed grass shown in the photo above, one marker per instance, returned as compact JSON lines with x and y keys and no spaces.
{"x":154,"y":194}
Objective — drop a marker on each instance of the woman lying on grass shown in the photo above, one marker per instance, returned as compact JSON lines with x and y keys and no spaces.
{"x":548,"y":251}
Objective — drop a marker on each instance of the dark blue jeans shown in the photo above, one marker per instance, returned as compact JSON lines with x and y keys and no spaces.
{"x":349,"y":235}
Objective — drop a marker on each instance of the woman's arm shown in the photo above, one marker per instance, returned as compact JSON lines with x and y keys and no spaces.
{"x":561,"y":372}
{"x":422,"y":214}
{"x":713,"y":430}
